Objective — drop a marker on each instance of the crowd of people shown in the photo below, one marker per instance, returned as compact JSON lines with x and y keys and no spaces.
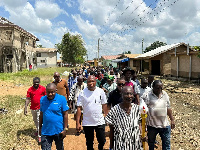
{"x":98,"y":97}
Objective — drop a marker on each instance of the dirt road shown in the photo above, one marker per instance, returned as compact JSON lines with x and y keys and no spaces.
{"x":185,"y":103}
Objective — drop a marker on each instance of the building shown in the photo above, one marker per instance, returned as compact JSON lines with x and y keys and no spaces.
{"x":107,"y":60}
{"x":185,"y":64}
{"x":165,"y":59}
{"x":46,"y":57}
{"x":16,"y":47}
{"x":127,"y":60}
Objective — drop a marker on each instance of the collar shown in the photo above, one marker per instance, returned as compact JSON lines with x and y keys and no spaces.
{"x":162,"y":94}
{"x":58,"y":82}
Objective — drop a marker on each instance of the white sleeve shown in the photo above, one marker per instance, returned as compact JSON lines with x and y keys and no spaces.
{"x":80,"y":99}
{"x":103,"y":97}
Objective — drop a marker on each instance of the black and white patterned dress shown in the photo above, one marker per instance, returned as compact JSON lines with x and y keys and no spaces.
{"x":126,"y":128}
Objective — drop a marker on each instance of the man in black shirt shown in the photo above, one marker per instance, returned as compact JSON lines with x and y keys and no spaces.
{"x":115,"y":96}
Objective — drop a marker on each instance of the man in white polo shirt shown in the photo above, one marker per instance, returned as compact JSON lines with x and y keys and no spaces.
{"x":157,"y":101}
{"x":92,"y":99}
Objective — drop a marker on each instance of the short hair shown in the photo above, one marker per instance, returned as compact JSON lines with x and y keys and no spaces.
{"x":121,"y":78}
{"x":36,"y":78}
{"x":156,"y":82}
{"x":50,"y":85}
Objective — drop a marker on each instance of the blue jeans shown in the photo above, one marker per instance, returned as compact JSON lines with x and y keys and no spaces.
{"x":46,"y":142}
{"x":164,"y":133}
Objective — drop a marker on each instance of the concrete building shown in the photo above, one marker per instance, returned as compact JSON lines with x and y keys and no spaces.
{"x":127,"y":60}
{"x":16,"y":47}
{"x":46,"y":57}
{"x":107,"y":60}
{"x":185,"y":64}
{"x":165,"y":59}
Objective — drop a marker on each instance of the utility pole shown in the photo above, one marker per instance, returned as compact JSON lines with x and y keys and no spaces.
{"x":98,"y":51}
{"x":142,"y":53}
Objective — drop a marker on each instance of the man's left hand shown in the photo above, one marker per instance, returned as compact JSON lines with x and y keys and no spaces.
{"x":64,"y":133}
{"x":172,"y":124}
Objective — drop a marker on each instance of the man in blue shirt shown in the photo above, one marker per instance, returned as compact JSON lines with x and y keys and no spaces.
{"x":53,"y":118}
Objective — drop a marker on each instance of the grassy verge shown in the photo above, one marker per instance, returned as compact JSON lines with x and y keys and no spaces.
{"x":25,"y":77}
{"x":17,"y":130}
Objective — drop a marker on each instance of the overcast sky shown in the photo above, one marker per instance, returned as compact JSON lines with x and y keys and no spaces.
{"x":120,"y":24}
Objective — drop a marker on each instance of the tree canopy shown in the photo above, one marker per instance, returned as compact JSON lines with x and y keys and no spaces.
{"x":128,"y":52}
{"x":198,"y":49}
{"x":154,"y":45}
{"x":72,"y":48}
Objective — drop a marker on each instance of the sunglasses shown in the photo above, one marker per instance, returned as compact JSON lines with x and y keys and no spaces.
{"x":121,"y":84}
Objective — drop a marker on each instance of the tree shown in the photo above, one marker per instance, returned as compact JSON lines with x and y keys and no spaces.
{"x":40,"y":46}
{"x":72,"y":48}
{"x":128,"y":52}
{"x":154,"y":45}
{"x":198,"y":49}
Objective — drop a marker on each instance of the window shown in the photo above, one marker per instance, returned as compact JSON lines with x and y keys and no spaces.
{"x":38,"y":54}
{"x":134,"y":63}
{"x":42,"y":61}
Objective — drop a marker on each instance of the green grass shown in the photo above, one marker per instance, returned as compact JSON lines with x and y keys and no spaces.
{"x":17,"y":130}
{"x":25,"y":77}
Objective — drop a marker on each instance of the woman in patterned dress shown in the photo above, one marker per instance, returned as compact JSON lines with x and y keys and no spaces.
{"x":125,"y":123}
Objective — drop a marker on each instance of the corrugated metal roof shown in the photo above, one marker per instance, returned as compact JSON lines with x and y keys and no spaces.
{"x":131,"y":55}
{"x":45,"y":49}
{"x":110,"y":57}
{"x":159,"y":50}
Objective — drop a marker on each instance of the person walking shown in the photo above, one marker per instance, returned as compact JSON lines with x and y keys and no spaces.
{"x":157,"y":101}
{"x":61,"y":85}
{"x":74,"y":93}
{"x":53,"y":123}
{"x":114,"y":97}
{"x":127,"y":73}
{"x":91,"y":100}
{"x":125,"y":123}
{"x":34,"y":94}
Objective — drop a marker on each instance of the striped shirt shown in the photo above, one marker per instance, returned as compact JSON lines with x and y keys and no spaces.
{"x":71,"y":82}
{"x":157,"y":114}
{"x":126,"y":127}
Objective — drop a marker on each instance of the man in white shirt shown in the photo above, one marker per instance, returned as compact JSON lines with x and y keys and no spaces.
{"x":92,"y":99}
{"x":143,"y":88}
{"x":157,"y":101}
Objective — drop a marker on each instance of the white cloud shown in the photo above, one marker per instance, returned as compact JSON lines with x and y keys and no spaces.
{"x":45,"y":43}
{"x":13,"y":4}
{"x":59,"y":32}
{"x":48,"y":10}
{"x":89,"y":30}
{"x":70,"y":3}
{"x":29,"y":20}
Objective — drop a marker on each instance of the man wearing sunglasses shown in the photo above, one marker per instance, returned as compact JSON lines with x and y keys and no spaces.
{"x":115,"y":96}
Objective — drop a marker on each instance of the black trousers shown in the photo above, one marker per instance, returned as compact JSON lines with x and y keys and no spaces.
{"x":89,"y":135}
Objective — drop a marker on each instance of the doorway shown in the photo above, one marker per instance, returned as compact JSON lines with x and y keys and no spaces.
{"x":155,"y":67}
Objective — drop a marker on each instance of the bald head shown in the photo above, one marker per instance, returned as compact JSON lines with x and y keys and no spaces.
{"x":56,"y":77}
{"x":127,"y":94}
{"x":51,"y":91}
{"x":127,"y":88}
{"x":91,"y":83}
{"x":51,"y":86}
{"x":80,"y":80}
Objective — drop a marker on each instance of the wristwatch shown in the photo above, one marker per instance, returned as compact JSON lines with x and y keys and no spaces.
{"x":66,"y":129}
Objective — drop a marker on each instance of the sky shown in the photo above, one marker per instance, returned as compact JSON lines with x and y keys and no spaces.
{"x":120,"y":25}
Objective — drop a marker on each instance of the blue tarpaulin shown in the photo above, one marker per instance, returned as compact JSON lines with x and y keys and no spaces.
{"x":121,"y":60}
